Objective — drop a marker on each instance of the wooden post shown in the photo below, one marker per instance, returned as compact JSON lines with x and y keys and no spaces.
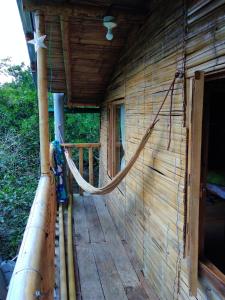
{"x":42,"y":85}
{"x":90,"y":155}
{"x":64,"y":23}
{"x":195,"y":179}
{"x":81,"y":166}
{"x":69,"y":177}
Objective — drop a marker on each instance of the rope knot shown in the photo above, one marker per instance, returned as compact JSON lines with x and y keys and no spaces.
{"x":179,"y":74}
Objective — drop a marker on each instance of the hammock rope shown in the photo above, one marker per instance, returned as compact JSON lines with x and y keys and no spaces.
{"x":87,"y":187}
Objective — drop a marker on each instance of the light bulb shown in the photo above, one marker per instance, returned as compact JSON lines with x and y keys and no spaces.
{"x":109,"y":35}
{"x":110,"y":23}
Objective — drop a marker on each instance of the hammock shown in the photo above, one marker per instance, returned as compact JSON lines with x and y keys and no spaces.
{"x":87,"y":187}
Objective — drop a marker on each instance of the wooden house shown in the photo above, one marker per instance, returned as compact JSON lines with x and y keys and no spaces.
{"x":160,"y":233}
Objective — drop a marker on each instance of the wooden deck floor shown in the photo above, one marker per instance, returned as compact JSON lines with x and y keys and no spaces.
{"x":105,"y":269}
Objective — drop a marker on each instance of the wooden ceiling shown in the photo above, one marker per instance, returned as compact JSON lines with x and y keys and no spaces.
{"x":80,"y":58}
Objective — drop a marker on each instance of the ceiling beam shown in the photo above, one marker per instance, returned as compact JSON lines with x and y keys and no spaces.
{"x":64,"y":24}
{"x":84,"y":10}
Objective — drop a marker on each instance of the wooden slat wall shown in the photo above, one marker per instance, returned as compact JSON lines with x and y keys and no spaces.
{"x":150,"y":213}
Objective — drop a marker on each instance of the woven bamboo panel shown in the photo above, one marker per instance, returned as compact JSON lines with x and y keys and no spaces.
{"x":150,"y":213}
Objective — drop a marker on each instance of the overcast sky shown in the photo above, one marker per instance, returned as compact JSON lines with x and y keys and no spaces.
{"x":12,"y":41}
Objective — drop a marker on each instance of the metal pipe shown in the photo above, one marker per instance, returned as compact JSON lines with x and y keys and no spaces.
{"x":59,"y":116}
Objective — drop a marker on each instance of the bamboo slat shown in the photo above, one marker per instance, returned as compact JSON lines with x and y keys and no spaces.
{"x":62,"y":259}
{"x":70,"y":251}
{"x":42,"y":85}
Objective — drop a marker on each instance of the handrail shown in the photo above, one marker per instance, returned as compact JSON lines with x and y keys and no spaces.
{"x":33,"y":276}
{"x":81,"y":145}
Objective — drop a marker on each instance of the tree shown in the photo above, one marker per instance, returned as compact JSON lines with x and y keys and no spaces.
{"x":19,"y":150}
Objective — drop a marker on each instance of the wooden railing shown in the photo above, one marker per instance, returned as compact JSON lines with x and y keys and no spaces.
{"x":81,"y":147}
{"x":33,"y":276}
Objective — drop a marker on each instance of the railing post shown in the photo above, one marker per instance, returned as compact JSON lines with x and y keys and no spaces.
{"x":42,"y":86}
{"x":81,"y":166}
{"x":90,"y":158}
{"x":69,"y":178}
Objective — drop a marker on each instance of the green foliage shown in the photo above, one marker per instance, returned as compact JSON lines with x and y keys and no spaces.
{"x":19,"y":154}
{"x":19,"y":150}
{"x":82,"y":128}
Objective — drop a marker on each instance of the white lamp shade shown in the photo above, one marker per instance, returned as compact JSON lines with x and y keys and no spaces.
{"x":110,"y":23}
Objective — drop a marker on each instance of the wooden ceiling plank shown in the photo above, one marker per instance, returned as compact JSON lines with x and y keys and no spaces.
{"x":64,"y":23}
{"x":83,"y":10}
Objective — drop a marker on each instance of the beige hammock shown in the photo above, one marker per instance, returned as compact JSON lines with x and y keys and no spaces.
{"x":87,"y":187}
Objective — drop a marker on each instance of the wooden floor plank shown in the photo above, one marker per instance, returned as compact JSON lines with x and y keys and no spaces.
{"x":110,"y":279}
{"x":138,"y":268}
{"x":91,"y":288}
{"x":80,"y":223}
{"x":106,"y":267}
{"x":108,"y":226}
{"x":118,"y":253}
{"x":94,"y":226}
{"x":137,"y":293}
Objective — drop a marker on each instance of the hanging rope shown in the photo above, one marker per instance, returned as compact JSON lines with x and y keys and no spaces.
{"x":171,"y":108}
{"x":119,"y":177}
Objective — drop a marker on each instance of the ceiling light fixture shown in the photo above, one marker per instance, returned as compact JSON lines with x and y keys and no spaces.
{"x":109,"y":22}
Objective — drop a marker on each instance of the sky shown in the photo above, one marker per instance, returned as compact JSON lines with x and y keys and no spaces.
{"x":12,"y":42}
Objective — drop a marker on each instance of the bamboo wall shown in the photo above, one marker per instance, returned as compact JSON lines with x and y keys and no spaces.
{"x":150,"y":211}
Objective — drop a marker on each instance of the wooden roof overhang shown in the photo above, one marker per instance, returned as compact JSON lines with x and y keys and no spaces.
{"x":80,"y":58}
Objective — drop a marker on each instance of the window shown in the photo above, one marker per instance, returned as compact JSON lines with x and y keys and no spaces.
{"x":206,"y":221}
{"x":116,"y":137}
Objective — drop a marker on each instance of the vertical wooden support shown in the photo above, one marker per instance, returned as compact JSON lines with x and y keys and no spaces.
{"x":42,"y":85}
{"x":69,"y":178}
{"x":64,"y":24}
{"x":195,"y":179}
{"x":91,"y":170}
{"x":49,"y":262}
{"x":81,"y":165}
{"x":70,"y":258}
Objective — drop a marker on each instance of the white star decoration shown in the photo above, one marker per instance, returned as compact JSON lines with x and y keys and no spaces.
{"x":38,"y":42}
